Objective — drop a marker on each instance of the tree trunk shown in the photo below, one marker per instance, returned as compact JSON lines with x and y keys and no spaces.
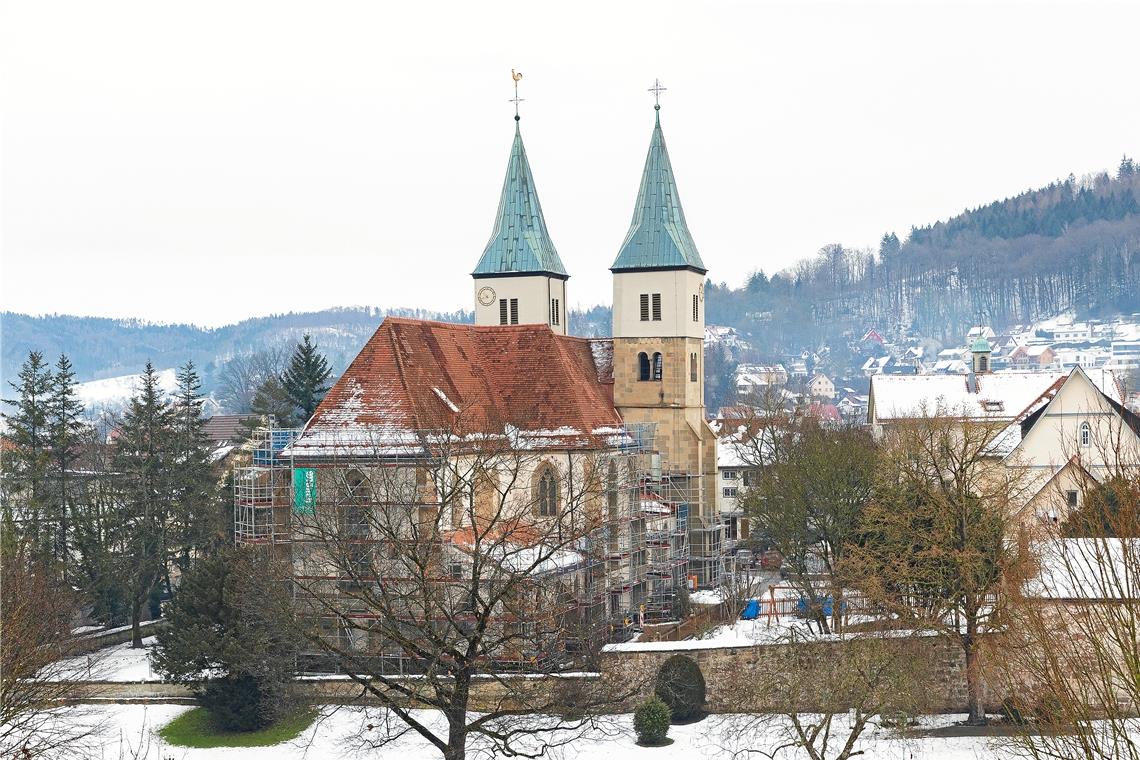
{"x":977,"y":715}
{"x":136,"y":630}
{"x":456,"y":713}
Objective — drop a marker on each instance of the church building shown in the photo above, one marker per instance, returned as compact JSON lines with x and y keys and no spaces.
{"x":624,"y":413}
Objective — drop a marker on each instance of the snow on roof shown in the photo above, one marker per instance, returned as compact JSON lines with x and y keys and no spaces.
{"x":999,"y":395}
{"x":1087,"y":568}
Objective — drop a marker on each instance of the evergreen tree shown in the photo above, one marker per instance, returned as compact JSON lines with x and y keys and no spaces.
{"x":196,"y":518}
{"x":230,"y":612}
{"x":66,"y":435}
{"x":25,"y":465}
{"x":306,"y":378}
{"x":143,"y":461}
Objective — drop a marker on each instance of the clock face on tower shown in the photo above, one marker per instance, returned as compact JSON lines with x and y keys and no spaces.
{"x":486,"y":296}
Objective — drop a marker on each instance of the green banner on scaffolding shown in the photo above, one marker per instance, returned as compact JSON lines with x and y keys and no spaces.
{"x":304,"y":491}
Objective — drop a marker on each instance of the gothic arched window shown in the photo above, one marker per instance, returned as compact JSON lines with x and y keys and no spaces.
{"x":643,"y":366}
{"x":547,"y":492}
{"x":1086,"y":435}
{"x":658,"y":366}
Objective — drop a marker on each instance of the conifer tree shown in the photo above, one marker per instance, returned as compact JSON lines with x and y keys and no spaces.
{"x":196,"y":514}
{"x":66,"y":438}
{"x":142,"y":458}
{"x":25,"y":466}
{"x":306,"y":378}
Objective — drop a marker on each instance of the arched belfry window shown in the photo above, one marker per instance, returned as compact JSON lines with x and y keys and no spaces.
{"x":547,"y":492}
{"x":1086,"y":435}
{"x":643,"y":366}
{"x":658,"y":366}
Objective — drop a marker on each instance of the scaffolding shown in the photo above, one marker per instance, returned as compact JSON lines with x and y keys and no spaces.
{"x":263,"y":489}
{"x":649,"y":546}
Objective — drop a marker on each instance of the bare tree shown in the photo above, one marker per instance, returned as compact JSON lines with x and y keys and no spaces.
{"x":933,"y":550}
{"x":809,"y":502}
{"x":822,"y":694}
{"x":242,"y":375}
{"x":36,"y":610}
{"x":430,"y":580}
{"x":1071,"y":655}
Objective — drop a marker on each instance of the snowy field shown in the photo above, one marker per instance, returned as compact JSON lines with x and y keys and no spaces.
{"x":129,"y":731}
{"x":117,"y":663}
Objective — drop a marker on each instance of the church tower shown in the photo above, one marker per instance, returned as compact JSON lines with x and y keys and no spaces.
{"x":520,"y":280}
{"x":658,"y":336}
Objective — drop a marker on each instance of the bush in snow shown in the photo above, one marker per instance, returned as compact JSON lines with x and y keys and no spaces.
{"x":651,"y":721}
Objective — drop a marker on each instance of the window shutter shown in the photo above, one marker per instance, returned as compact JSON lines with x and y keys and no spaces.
{"x":696,"y":308}
{"x":514,"y":311}
{"x":644,"y":307}
{"x":656,"y":307}
{"x":502,"y":311}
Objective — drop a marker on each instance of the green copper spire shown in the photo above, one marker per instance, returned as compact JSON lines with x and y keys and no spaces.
{"x":658,"y":236}
{"x":519,"y":243}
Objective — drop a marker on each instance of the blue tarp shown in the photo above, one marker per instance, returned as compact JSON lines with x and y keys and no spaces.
{"x":752,"y":611}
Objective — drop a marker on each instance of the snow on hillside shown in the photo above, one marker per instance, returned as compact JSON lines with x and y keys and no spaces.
{"x":116,"y":390}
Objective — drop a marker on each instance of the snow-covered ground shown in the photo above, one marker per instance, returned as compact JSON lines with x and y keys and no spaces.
{"x":117,"y":663}
{"x":129,"y":727}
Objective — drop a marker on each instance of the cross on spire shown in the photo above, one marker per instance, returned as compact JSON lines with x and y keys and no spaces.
{"x":657,"y":89}
{"x":516,"y":75}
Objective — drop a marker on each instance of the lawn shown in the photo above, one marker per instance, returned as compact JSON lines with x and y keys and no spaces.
{"x":195,"y":728}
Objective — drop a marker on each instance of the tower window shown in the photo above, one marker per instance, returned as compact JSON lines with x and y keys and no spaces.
{"x":983,"y":364}
{"x":554,"y":311}
{"x":658,"y":366}
{"x":1086,"y":435}
{"x":696,"y":308}
{"x":643,"y":366}
{"x":692,"y":368}
{"x":503,"y":311}
{"x":644,"y":307}
{"x":514,"y":311}
{"x":656,"y":307}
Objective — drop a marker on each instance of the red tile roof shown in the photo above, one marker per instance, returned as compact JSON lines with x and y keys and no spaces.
{"x":417,"y":376}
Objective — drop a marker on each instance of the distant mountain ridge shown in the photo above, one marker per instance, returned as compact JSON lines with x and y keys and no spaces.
{"x":101,"y":347}
{"x":1073,"y":246}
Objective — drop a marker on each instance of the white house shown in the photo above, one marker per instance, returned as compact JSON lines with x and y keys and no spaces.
{"x":820,"y":386}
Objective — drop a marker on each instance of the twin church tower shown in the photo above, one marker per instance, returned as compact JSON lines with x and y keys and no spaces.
{"x":658,"y":300}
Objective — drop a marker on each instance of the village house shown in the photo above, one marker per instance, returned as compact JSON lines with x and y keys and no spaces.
{"x":1055,"y":427}
{"x":821,"y":387}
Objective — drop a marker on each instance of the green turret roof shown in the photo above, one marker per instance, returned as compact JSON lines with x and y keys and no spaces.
{"x":658,"y":236}
{"x":519,"y":243}
{"x":980,"y":346}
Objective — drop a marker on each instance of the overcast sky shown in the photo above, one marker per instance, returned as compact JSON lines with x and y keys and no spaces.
{"x":210,"y":161}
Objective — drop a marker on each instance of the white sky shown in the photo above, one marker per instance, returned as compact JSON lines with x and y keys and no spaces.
{"x":209,"y":161}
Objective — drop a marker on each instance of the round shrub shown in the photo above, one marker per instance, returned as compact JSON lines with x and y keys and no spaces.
{"x":651,"y":721}
{"x":681,"y":686}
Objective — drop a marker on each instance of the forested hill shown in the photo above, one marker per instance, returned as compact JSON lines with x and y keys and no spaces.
{"x":1074,"y":245}
{"x":102,"y":348}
